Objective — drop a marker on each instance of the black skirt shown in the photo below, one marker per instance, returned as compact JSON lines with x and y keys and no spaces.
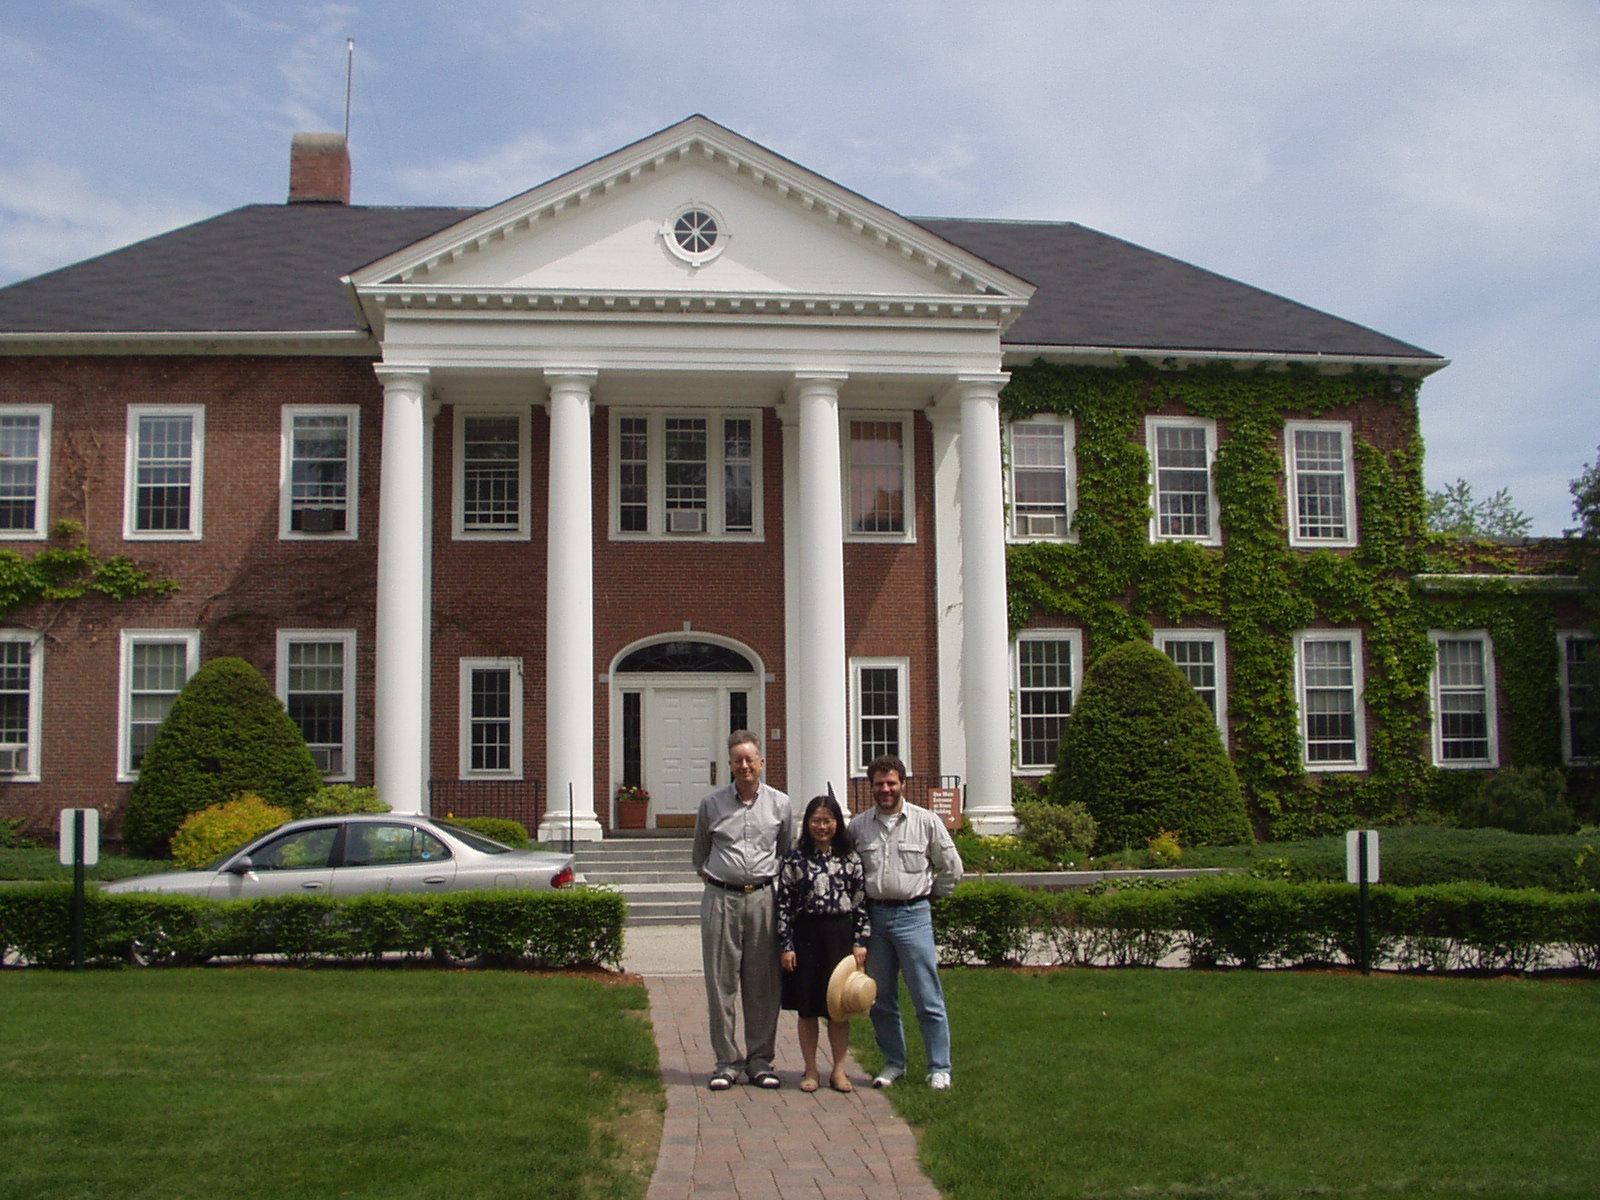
{"x":819,"y":943}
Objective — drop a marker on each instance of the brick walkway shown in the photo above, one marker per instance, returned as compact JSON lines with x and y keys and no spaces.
{"x":750,"y":1144}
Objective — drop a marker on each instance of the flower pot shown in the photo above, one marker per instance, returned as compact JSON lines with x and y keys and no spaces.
{"x":633,"y":814}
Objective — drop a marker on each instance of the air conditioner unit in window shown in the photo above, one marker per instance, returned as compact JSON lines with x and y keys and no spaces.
{"x":13,"y":760}
{"x":686,"y":520}
{"x":1040,"y":525}
{"x":321,"y":520}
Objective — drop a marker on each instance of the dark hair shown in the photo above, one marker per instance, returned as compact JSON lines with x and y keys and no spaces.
{"x":841,"y":837}
{"x":886,"y":762}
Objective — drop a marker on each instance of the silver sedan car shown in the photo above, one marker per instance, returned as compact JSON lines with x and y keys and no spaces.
{"x":377,"y":852}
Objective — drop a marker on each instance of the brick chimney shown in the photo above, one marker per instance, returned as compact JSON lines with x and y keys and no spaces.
{"x":319,"y":169}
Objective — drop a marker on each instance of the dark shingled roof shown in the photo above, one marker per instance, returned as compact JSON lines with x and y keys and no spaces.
{"x":277,"y":268}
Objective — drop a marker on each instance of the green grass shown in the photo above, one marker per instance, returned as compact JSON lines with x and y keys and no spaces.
{"x":281,"y":1083}
{"x":1260,"y":1084}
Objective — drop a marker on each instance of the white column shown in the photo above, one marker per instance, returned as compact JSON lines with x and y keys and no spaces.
{"x":569,"y":651}
{"x":404,"y":596}
{"x":823,"y":713}
{"x":946,"y":423}
{"x":794,"y":733}
{"x":985,"y":637}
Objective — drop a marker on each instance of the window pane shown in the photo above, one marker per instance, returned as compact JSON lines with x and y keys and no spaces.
{"x":1329,"y":704}
{"x":1198,"y":662}
{"x":1463,"y":701}
{"x":1183,"y":482}
{"x":1039,"y":483}
{"x":19,"y":470}
{"x":163,"y":473}
{"x":491,"y":719}
{"x":633,"y":475}
{"x":1582,"y":679}
{"x":877,"y":477}
{"x":738,"y":475}
{"x":880,"y":712}
{"x":1320,"y":483}
{"x":1044,"y":699}
{"x":686,"y":473}
{"x":16,"y":671}
{"x":319,"y":471}
{"x":491,"y":473}
{"x":316,"y":700}
{"x":157,"y":672}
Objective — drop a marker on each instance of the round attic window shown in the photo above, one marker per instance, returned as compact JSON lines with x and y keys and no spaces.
{"x":696,"y":233}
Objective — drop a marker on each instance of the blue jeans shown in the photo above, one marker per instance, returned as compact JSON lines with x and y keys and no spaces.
{"x":902,"y":943}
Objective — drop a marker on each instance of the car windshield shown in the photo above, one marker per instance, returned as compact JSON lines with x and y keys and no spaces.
{"x":472,"y":838}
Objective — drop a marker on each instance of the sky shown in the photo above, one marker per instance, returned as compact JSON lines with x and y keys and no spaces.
{"x":1428,"y":168}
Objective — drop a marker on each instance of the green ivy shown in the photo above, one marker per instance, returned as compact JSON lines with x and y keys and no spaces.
{"x":60,"y":573}
{"x":1115,"y":585}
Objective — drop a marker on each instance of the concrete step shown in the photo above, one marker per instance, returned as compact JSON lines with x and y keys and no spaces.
{"x":653,"y":876}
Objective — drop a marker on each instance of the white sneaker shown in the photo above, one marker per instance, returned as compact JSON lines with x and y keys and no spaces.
{"x":888,"y":1076}
{"x":939,"y":1081}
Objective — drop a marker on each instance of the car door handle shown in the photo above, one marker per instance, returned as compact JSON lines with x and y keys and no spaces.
{"x":312,"y":885}
{"x":433,"y":879}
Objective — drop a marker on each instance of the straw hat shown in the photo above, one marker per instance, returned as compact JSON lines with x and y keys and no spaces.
{"x":850,"y":990}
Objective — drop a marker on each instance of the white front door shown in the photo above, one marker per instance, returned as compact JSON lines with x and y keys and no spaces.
{"x":684,"y":744}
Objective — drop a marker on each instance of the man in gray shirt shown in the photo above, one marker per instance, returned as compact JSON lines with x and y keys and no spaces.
{"x":741,"y":834}
{"x":910,"y":858}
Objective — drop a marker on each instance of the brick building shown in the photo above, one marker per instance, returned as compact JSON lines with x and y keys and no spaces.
{"x":518,"y":505}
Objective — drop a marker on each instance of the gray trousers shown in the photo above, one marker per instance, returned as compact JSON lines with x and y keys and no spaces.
{"x":739,"y":950}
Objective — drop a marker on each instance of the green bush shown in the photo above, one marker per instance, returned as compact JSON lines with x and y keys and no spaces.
{"x":579,"y":927}
{"x":512,"y":833}
{"x":1142,"y":754}
{"x":226,"y":734}
{"x":1057,"y":833}
{"x":209,"y":834}
{"x":11,"y":833}
{"x":983,"y":922}
{"x":1520,"y":800}
{"x":338,"y":799}
{"x":985,"y":853}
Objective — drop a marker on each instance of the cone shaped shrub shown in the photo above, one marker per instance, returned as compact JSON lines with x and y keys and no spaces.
{"x":226,"y":734}
{"x":1142,"y":753}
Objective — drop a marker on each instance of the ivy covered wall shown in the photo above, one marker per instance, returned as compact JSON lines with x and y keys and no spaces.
{"x":1116,"y":585}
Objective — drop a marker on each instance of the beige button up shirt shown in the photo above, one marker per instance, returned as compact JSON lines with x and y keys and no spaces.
{"x":908,"y":855}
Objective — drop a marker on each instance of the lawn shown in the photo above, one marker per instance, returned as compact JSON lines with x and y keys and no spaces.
{"x":1144,"y":1083}
{"x":273,"y":1082}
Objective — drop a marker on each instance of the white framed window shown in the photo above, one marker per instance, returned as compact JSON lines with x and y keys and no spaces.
{"x":24,"y":471}
{"x":1202,"y":656}
{"x":155,"y":665}
{"x":1580,"y":697}
{"x":21,"y":686}
{"x":1040,"y":477}
{"x":1046,"y":672}
{"x":1182,"y":492}
{"x":164,"y":489}
{"x":878,"y":502}
{"x":695,"y":233}
{"x":686,"y":475}
{"x":491,"y":470}
{"x":1320,"y":470}
{"x":491,"y":718}
{"x":319,"y":481}
{"x":1330,"y":692}
{"x":1464,"y":733}
{"x":880,"y":711}
{"x":317,"y":684}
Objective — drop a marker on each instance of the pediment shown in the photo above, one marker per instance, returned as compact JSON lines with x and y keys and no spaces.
{"x":604,"y":235}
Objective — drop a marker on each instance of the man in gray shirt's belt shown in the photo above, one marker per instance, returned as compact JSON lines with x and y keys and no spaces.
{"x":741,"y":834}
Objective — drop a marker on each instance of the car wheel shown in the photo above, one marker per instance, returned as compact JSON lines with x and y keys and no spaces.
{"x":455,"y":954}
{"x":155,"y":949}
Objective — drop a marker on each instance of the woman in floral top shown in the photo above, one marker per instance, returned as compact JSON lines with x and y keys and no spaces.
{"x":822,"y":917}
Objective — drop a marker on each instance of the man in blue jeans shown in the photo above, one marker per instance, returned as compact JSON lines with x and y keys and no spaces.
{"x":910,"y":858}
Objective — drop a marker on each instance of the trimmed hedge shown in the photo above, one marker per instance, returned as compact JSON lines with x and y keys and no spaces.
{"x":579,"y":927}
{"x":1243,"y":922}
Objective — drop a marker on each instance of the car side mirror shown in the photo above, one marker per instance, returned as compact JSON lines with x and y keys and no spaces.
{"x":242,"y":865}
